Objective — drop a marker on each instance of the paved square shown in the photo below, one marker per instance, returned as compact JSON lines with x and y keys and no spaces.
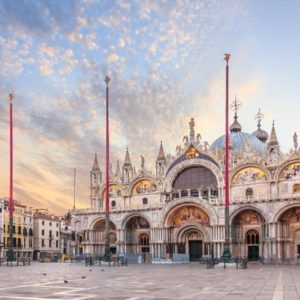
{"x":134,"y":282}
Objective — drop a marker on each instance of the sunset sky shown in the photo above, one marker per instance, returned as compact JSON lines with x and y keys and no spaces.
{"x":165,"y":60}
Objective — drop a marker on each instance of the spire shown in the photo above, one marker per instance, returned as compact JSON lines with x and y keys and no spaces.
{"x":273,"y":137}
{"x":118,"y":171}
{"x":96,"y":164}
{"x":127,"y":161}
{"x":161,"y":153}
{"x":262,"y":135}
{"x":236,"y":126}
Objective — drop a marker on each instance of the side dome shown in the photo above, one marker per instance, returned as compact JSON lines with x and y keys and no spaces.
{"x":262,"y":135}
{"x":241,"y":141}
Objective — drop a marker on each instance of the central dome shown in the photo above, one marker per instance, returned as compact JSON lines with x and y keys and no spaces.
{"x":241,"y":141}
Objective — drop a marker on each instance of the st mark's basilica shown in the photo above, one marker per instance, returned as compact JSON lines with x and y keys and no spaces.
{"x":179,"y":211}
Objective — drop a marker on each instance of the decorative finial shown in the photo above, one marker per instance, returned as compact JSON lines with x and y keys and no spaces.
{"x":227,"y":56}
{"x":11,"y":97}
{"x":235,"y":106}
{"x":107,"y":80}
{"x":273,"y":123}
{"x":258,"y":117}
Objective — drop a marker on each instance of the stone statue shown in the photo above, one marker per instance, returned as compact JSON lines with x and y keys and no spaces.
{"x":295,"y":138}
{"x":206,"y":144}
{"x":186,"y":141}
{"x":192,"y":130}
{"x":198,"y":139}
{"x":142,"y":163}
{"x":178,"y":150}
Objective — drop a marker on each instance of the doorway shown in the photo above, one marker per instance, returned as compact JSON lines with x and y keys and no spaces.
{"x":253,"y":253}
{"x":195,"y":250}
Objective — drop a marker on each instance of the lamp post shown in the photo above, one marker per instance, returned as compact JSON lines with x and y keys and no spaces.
{"x":107,"y":246}
{"x":226,"y":250}
{"x":10,"y":252}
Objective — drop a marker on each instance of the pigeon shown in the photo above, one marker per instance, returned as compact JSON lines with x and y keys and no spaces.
{"x":90,"y":270}
{"x":102,"y":270}
{"x":66,"y":281}
{"x":44,"y":274}
{"x":83,"y":277}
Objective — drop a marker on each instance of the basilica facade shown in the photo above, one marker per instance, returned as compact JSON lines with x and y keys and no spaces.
{"x":179,"y":211}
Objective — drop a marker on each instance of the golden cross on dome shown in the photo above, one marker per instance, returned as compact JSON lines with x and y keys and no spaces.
{"x":259,"y":116}
{"x":235,"y":105}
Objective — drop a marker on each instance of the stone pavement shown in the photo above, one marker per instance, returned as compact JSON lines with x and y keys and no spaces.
{"x":136,"y":282}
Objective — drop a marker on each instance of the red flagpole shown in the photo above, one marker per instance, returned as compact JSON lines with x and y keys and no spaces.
{"x":226,"y":251}
{"x":107,"y":246}
{"x":11,"y":204}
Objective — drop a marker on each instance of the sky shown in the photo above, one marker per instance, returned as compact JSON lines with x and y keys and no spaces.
{"x":166,"y":62}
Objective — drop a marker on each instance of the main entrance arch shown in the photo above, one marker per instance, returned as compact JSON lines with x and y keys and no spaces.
{"x":189,"y":229}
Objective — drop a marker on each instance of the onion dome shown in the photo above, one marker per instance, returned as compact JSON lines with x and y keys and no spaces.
{"x":235,"y":126}
{"x":262,"y":135}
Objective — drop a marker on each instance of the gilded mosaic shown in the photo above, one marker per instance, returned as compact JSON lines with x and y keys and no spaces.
{"x":144,"y":186}
{"x":291,"y":171}
{"x":115,"y":190}
{"x":189,"y":214}
{"x":248,"y":217}
{"x":249,"y":174}
{"x":291,"y":216}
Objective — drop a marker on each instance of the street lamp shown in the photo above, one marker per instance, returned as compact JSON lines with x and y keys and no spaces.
{"x":10,"y":252}
{"x":226,"y":250}
{"x":107,"y":246}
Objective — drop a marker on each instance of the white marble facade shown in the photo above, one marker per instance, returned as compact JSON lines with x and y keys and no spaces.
{"x":180,"y":209}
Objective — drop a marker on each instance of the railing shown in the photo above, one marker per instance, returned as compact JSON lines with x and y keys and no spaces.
{"x":213,"y":200}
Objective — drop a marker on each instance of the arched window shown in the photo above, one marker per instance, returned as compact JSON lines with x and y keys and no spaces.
{"x":252,"y":237}
{"x":113,"y":204}
{"x":145,"y":201}
{"x":249,"y":192}
{"x":144,"y":239}
{"x":30,"y":232}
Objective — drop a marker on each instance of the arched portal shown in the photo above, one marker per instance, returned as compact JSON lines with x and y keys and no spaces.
{"x":137,"y":235}
{"x":247,"y":227}
{"x":96,"y":236}
{"x":189,"y":232}
{"x":289,"y":224}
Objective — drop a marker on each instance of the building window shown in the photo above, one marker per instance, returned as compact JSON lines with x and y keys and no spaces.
{"x":113,"y":204}
{"x":30,"y":232}
{"x":43,"y":243}
{"x":56,"y":244}
{"x":56,"y":233}
{"x":56,"y":224}
{"x":50,"y":233}
{"x":50,"y":243}
{"x":249,"y":192}
{"x":19,"y":230}
{"x":43,"y":222}
{"x":43,"y":232}
{"x":25,"y":231}
{"x":50,"y":223}
{"x":145,"y":201}
{"x":252,"y":237}
{"x":144,"y":239}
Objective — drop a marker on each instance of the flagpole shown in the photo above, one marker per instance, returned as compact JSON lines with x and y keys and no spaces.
{"x":107,"y":244}
{"x":226,"y":250}
{"x":10,"y":252}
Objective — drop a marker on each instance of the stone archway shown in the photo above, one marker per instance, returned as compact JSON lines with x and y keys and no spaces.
{"x":289,"y":233}
{"x":95,"y":237}
{"x":246,"y":224}
{"x":137,"y":235}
